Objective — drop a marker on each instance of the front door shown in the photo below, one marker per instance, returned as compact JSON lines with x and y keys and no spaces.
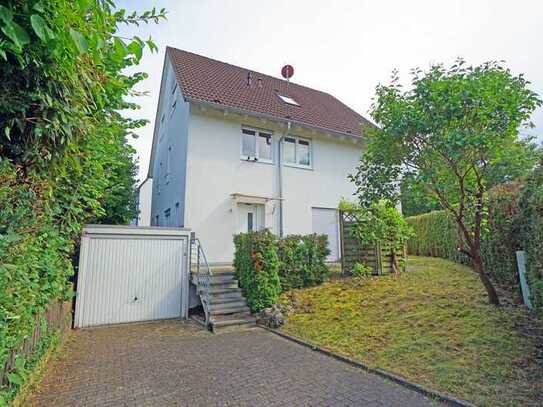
{"x":251,"y":217}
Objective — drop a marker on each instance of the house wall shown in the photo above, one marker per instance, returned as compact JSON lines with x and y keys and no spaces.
{"x":145,"y":191}
{"x":215,"y":171}
{"x":169,"y":172}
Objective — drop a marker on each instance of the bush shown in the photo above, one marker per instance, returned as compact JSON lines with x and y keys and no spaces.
{"x":436,"y":235}
{"x":362,"y":270}
{"x":267,"y":265}
{"x":531,"y":233}
{"x":257,"y":268}
{"x":302,"y":260}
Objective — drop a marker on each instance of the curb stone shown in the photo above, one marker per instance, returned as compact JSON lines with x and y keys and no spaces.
{"x":430,"y":393}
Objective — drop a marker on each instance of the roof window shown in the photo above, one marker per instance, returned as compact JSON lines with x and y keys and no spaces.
{"x":288,"y":100}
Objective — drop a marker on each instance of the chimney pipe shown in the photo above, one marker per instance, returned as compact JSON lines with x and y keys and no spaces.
{"x":249,"y":79}
{"x":259,"y":82}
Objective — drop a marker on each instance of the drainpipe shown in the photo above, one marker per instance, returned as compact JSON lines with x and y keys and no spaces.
{"x":280,"y":173}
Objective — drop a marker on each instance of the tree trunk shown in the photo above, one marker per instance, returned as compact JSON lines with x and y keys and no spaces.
{"x":479,"y":267}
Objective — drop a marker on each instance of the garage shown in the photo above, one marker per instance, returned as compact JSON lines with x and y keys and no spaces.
{"x":326,"y":222}
{"x":131,"y":274}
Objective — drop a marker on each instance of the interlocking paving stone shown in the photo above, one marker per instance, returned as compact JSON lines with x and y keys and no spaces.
{"x":176,"y":363}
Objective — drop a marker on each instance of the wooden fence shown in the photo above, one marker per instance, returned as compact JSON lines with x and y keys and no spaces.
{"x":57,"y":318}
{"x":352,"y":252}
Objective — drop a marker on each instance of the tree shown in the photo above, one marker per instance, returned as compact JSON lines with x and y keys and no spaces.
{"x":521,"y":160}
{"x":449,"y":132}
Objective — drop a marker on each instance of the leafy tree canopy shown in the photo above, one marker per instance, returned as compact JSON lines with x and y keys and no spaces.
{"x":449,"y":132}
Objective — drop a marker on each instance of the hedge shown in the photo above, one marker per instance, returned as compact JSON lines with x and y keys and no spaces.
{"x":530,"y":222}
{"x":267,"y":265}
{"x":515,"y":220}
{"x":302,"y":260}
{"x":257,"y":268}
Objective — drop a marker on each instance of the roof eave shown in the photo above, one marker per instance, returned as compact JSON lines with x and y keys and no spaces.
{"x":220,"y":106}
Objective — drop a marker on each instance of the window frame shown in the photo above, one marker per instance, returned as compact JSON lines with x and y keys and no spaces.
{"x":258,"y":133}
{"x":297,"y":164}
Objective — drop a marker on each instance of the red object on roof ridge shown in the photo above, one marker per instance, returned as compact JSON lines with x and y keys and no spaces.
{"x":208,"y":80}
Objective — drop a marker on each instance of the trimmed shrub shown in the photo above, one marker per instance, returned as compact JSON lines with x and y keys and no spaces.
{"x":436,"y":235}
{"x":257,"y":268}
{"x":302,"y":260}
{"x":267,"y":265}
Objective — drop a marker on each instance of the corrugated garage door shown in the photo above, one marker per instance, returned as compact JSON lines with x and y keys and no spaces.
{"x":326,"y":222}
{"x":129,"y":274}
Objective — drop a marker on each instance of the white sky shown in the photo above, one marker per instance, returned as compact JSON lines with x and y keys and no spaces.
{"x":342,"y":47}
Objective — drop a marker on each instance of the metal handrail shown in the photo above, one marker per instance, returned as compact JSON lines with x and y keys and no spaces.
{"x":203,"y":278}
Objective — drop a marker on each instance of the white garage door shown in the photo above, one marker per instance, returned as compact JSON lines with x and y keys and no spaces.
{"x":325,"y":222}
{"x":129,"y":274}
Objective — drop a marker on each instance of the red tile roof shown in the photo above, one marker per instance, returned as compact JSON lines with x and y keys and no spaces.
{"x":211,"y":81}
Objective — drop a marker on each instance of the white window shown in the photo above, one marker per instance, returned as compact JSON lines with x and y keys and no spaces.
{"x":297,"y":151}
{"x":288,"y":100}
{"x":256,"y":145}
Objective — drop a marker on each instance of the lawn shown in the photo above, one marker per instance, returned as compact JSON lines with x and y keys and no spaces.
{"x":431,"y":324}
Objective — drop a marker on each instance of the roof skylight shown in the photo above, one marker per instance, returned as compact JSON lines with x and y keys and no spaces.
{"x":288,"y":100}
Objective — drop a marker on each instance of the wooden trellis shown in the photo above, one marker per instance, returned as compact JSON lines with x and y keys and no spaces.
{"x":353,"y":252}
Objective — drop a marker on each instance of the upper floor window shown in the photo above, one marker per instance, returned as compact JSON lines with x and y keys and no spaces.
{"x":256,"y":144}
{"x":297,"y":151}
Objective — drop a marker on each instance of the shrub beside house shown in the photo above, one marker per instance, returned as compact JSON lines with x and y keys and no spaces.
{"x":267,"y":265}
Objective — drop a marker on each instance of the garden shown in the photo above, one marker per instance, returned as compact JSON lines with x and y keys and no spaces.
{"x":456,"y":322}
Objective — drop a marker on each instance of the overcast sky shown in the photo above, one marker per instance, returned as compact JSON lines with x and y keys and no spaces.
{"x":342,"y":47}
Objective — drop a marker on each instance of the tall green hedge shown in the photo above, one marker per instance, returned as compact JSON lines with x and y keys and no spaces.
{"x":531,"y":233}
{"x":257,"y":268}
{"x":267,"y":265}
{"x":436,"y":234}
{"x":64,"y":155}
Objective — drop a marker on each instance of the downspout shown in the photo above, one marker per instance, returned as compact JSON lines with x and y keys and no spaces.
{"x":280,"y":176}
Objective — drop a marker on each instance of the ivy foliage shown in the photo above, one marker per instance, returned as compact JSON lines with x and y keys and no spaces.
{"x":64,"y":158}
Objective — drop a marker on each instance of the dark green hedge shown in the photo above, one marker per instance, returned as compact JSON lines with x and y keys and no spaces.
{"x":531,"y":233}
{"x":267,"y":265}
{"x":437,"y":236}
{"x":302,"y":260}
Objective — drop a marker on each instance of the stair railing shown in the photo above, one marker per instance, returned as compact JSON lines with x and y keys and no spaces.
{"x":200,"y":266}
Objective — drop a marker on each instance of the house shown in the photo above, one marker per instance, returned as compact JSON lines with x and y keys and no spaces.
{"x":143,"y":196}
{"x":235,"y":150}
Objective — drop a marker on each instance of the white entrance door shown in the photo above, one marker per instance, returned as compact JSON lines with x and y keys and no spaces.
{"x":326,"y":222}
{"x":251,"y":217}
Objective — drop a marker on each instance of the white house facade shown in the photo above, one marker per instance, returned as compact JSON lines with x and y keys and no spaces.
{"x":237,"y":151}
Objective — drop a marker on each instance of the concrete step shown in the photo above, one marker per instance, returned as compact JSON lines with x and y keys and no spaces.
{"x":226,"y":297}
{"x":224,"y":285}
{"x":216,"y":290}
{"x":222,"y":321}
{"x":229,"y":309}
{"x":227,"y":305}
{"x":222,"y":279}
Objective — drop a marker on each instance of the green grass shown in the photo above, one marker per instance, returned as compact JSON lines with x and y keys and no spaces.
{"x":431,"y":325}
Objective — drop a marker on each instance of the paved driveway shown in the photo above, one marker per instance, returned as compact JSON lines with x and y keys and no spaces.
{"x":178,"y":363}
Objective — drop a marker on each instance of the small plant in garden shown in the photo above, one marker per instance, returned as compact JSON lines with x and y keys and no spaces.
{"x":361,"y":270}
{"x":380,"y":222}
